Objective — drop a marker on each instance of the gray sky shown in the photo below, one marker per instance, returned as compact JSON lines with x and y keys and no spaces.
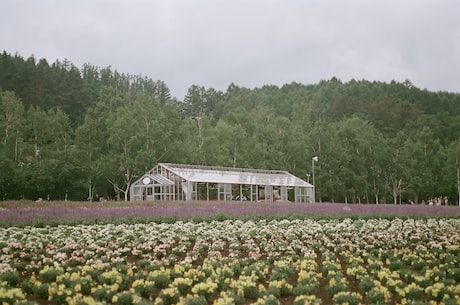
{"x":251,"y":43}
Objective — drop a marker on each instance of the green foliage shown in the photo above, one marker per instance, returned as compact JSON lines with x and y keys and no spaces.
{"x":41,"y":291}
{"x":10,"y":277}
{"x":195,"y":300}
{"x":87,"y":133}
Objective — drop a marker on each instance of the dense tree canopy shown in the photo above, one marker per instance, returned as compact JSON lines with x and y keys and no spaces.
{"x":80,"y":134}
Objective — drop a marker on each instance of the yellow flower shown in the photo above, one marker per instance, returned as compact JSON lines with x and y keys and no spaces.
{"x":74,"y":276}
{"x":86,"y":269}
{"x":332,"y":282}
{"x":11,"y":294}
{"x":179,"y":268}
{"x":261,"y":288}
{"x":224,"y":299}
{"x":457,"y":289}
{"x":307,"y":300}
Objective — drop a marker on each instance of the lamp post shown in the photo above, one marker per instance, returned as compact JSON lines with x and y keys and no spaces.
{"x":200,"y":135}
{"x":313,"y":160}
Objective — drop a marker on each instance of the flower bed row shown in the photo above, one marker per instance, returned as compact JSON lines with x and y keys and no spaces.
{"x":374,"y":261}
{"x":43,"y":213}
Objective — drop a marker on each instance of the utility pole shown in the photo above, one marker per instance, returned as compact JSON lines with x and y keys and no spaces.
{"x":313,"y":160}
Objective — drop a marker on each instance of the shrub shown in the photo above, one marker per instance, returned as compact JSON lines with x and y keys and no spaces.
{"x":195,"y":300}
{"x":366,"y":284}
{"x":307,"y":300}
{"x":337,"y":284}
{"x":10,"y":296}
{"x":41,"y":291}
{"x":268,"y":300}
{"x":305,"y":289}
{"x":169,"y":296}
{"x":11,"y":277}
{"x":161,"y":281}
{"x":49,"y":274}
{"x":376,"y":296}
{"x":280,"y":288}
{"x":27,"y":287}
{"x":346,"y":297}
{"x":124,"y":298}
{"x":104,"y":294}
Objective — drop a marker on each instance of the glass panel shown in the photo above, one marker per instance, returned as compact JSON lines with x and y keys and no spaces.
{"x":254,"y":190}
{"x":284,"y":194}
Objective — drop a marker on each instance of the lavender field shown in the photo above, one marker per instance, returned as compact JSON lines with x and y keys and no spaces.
{"x":18,"y":213}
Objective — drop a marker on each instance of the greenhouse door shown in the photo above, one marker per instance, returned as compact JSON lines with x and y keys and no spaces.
{"x":225,"y":192}
{"x":254,"y":191}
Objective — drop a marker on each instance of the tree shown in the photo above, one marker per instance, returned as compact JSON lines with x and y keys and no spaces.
{"x":163,"y":94}
{"x":11,"y":129}
{"x":226,"y":145}
{"x":11,"y":123}
{"x":136,"y":140}
{"x":90,"y":141}
{"x":424,"y":162}
{"x":45,"y":166}
{"x":199,"y":102}
{"x":452,"y":172}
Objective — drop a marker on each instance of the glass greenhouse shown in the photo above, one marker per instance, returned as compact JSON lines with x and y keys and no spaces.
{"x":170,"y":182}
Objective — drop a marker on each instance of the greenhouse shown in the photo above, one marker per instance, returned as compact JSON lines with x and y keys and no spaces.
{"x":172,"y":182}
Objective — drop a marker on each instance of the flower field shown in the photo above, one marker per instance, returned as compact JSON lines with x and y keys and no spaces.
{"x":20,"y":213}
{"x":277,"y":261}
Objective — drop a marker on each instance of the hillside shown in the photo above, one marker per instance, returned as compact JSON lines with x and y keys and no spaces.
{"x":69,"y":132}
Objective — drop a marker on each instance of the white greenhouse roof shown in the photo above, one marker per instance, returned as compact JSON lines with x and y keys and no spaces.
{"x":159,"y":179}
{"x":196,"y":173}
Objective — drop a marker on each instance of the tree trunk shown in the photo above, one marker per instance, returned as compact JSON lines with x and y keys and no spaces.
{"x":396,"y":188}
{"x":90,"y":190}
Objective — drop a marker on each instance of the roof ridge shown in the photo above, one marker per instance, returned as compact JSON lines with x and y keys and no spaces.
{"x":223,"y":168}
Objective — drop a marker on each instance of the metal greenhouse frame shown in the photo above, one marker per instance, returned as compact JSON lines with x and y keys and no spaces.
{"x":171,"y":182}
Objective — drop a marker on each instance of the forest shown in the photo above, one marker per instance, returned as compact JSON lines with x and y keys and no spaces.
{"x":69,"y":133}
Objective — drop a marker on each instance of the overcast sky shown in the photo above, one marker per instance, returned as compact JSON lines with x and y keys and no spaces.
{"x":251,"y":43}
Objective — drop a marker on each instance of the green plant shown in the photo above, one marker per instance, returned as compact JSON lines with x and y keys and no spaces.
{"x":48,"y":275}
{"x":337,"y":284}
{"x":11,"y":296}
{"x":103,"y":294}
{"x":307,"y":300}
{"x":161,"y":281}
{"x":169,"y":296}
{"x":27,"y":287}
{"x":279,"y":288}
{"x":195,"y":300}
{"x":285,"y":272}
{"x":346,"y":297}
{"x":268,"y":300}
{"x":366,"y":283}
{"x":123,"y":298}
{"x":41,"y":291}
{"x":84,"y":286}
{"x":251,"y":292}
{"x":306,"y":289}
{"x":375,"y":296}
{"x":12,"y":278}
